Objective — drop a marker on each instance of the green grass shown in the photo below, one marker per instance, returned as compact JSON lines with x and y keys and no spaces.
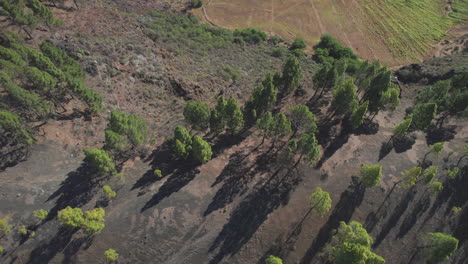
{"x":408,"y":27}
{"x":459,"y":10}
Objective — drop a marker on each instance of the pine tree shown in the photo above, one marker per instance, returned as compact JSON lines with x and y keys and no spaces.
{"x":423,"y":115}
{"x":281,"y":126}
{"x":70,"y":217}
{"x":302,"y":119}
{"x":234,"y":116}
{"x":181,"y":143}
{"x":292,"y":75}
{"x":197,"y":114}
{"x":344,"y":98}
{"x":351,"y":244}
{"x":201,"y":150}
{"x":265,"y":124}
{"x":12,"y":124}
{"x":358,"y":115}
{"x":125,"y":129}
{"x":93,"y":221}
{"x":309,"y":148}
{"x":401,"y":129}
{"x":439,"y":246}
{"x":371,"y":175}
{"x":100,"y":161}
{"x":218,"y":116}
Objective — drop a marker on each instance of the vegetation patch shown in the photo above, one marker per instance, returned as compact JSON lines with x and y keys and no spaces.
{"x":407,"y":27}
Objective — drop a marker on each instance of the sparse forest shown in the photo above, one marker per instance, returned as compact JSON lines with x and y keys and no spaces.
{"x":259,"y":151}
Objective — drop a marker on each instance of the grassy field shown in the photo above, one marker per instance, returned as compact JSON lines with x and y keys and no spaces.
{"x":407,"y":27}
{"x":460,"y":10}
{"x":393,"y":31}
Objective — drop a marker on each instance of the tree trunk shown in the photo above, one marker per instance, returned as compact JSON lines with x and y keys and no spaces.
{"x":291,"y":169}
{"x":29,"y":35}
{"x":460,"y":159}
{"x":388,"y":195}
{"x":441,"y":120}
{"x":313,"y":96}
{"x":297,"y":227}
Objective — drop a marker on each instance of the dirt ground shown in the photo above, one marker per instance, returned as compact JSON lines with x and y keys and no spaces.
{"x":226,"y":211}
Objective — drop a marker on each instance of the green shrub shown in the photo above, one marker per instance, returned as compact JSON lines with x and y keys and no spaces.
{"x":229,"y":73}
{"x":197,"y":3}
{"x":277,"y":52}
{"x":298,"y":53}
{"x":275,"y":40}
{"x":158,"y":174}
{"x":298,"y":44}
{"x":185,"y":34}
{"x":249,"y":35}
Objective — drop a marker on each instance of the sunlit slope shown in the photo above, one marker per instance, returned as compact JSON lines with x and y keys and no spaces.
{"x":393,"y":31}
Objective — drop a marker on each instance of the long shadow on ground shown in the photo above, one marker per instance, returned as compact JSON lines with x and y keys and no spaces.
{"x":392,"y":221}
{"x":181,"y":172}
{"x":49,"y":248}
{"x":236,"y":177}
{"x":334,"y":145}
{"x":248,"y":216}
{"x":350,"y":199}
{"x":76,"y":190}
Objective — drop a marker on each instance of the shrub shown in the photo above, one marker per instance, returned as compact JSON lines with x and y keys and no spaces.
{"x":158,"y":173}
{"x":298,"y":53}
{"x":108,"y":192}
{"x":298,"y":44}
{"x":275,"y":40}
{"x":277,"y":52}
{"x":229,"y":73}
{"x":197,"y":3}
{"x":111,"y":255}
{"x":250,"y":35}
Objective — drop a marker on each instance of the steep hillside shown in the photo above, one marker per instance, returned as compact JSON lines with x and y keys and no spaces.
{"x":247,"y":197}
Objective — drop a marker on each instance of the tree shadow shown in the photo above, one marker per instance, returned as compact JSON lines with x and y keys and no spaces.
{"x":12,"y":152}
{"x":421,"y":206}
{"x":161,"y":159}
{"x":236,"y":178}
{"x":454,"y":192}
{"x":334,"y":146}
{"x":249,"y":215}
{"x":74,"y":246}
{"x":182,"y":172}
{"x":47,"y":250}
{"x":402,"y":144}
{"x":179,"y":178}
{"x":440,"y":134}
{"x":76,"y":190}
{"x":225,"y":141}
{"x":385,"y":149}
{"x":368,"y":127}
{"x":397,"y":213}
{"x":350,"y":199}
